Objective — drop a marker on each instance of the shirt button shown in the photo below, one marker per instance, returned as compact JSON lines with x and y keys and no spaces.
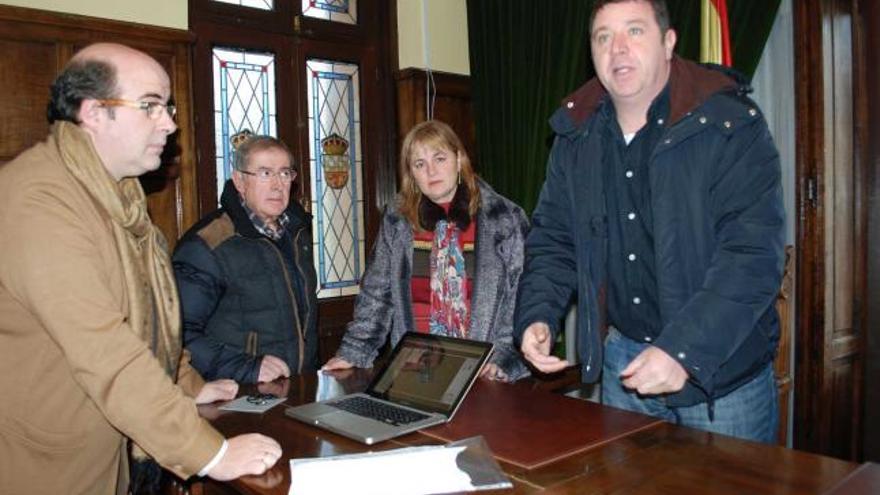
{"x":631,"y":257}
{"x":629,"y":174}
{"x":637,"y":300}
{"x":681,"y":355}
{"x":570,"y":104}
{"x":631,"y":216}
{"x":659,"y":121}
{"x":647,"y":339}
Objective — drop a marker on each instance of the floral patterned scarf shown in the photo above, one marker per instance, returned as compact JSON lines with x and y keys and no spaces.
{"x":448,"y":276}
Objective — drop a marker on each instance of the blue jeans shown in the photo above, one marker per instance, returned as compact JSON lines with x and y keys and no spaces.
{"x":749,"y":412}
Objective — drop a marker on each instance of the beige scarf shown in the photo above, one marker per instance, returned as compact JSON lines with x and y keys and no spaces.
{"x":153,"y":312}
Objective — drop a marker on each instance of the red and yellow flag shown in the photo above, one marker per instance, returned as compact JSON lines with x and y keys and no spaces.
{"x":715,"y":33}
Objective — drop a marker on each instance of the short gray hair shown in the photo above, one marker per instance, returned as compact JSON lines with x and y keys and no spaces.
{"x":254,"y":144}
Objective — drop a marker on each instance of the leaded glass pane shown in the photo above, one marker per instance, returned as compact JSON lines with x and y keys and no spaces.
{"x":336,"y":165}
{"x":244,"y":98}
{"x":256,"y":4}
{"x":344,"y":11}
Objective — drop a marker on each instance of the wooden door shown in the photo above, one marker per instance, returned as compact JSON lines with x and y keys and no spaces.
{"x":831,"y":228}
{"x":870,"y":16}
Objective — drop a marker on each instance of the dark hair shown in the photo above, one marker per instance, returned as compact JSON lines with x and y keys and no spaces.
{"x":81,"y":79}
{"x":254,"y":144}
{"x":661,"y":12}
{"x":433,"y":133}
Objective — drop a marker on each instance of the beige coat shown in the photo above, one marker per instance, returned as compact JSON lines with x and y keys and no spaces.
{"x":75,"y":381}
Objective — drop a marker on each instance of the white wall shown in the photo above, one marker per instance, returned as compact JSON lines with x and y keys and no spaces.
{"x":165,"y":13}
{"x":445,"y":22}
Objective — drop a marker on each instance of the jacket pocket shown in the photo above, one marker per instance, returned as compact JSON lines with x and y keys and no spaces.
{"x":51,"y":442}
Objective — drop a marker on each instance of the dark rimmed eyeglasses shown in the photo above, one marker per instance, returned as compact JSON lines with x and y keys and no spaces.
{"x":153,"y":109}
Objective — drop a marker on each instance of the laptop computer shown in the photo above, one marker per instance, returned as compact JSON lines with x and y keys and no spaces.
{"x":423,"y":384}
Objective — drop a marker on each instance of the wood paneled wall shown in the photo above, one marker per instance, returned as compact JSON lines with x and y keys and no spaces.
{"x":452,"y":105}
{"x":36,"y":44}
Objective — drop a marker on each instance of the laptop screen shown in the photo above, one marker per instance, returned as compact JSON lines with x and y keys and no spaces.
{"x":430,"y":372}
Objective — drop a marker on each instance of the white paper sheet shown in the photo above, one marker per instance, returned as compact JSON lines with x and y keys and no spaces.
{"x":408,"y":471}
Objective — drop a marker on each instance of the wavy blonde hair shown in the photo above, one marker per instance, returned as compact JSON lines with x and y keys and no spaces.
{"x":433,"y":134}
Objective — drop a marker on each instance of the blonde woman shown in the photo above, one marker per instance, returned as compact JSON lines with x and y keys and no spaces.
{"x":447,"y":259}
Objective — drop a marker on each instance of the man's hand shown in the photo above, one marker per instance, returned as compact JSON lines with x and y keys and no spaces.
{"x":536,"y":346}
{"x":654,"y":372}
{"x":217,"y":390}
{"x":271,"y":368}
{"x":246,"y":454}
{"x":491,"y":371}
{"x":336,"y":363}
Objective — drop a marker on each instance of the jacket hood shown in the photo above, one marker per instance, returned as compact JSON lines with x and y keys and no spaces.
{"x":690,"y":85}
{"x":230,"y":201}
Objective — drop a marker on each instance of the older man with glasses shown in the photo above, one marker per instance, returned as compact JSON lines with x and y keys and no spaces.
{"x":245,"y":273}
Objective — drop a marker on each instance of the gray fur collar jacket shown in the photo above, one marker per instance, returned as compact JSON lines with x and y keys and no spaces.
{"x":384,"y":305}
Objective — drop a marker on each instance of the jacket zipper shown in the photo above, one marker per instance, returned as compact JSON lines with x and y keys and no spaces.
{"x":292,"y":300}
{"x":297,"y":263}
{"x":590,"y":355}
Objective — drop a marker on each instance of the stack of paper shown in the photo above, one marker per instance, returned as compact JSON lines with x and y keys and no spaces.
{"x":408,"y":471}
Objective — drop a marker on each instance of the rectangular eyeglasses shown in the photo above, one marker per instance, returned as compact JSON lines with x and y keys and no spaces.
{"x":152,"y":108}
{"x":266,"y":175}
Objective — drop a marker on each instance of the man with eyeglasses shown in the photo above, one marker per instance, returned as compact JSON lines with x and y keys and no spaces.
{"x":245,"y":274}
{"x":91,"y":365}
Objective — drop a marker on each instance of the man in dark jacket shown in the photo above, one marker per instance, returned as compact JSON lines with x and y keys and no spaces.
{"x":662,"y":208}
{"x":246,"y":277}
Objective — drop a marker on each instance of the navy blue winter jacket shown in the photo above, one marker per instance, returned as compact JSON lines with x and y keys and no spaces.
{"x":716,"y":200}
{"x":244,"y":296}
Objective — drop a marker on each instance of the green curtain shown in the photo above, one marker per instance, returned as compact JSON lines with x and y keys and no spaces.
{"x":527,"y":55}
{"x":750,"y":24}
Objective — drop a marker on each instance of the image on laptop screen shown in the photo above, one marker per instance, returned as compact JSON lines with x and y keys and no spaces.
{"x":430,"y":373}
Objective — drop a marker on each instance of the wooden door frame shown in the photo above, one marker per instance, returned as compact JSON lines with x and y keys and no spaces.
{"x":814,"y":421}
{"x":203,"y":87}
{"x":377,"y":35}
{"x":292,"y":38}
{"x":871,"y":23}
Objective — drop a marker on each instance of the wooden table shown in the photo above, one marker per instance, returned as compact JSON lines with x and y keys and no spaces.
{"x":663,"y":459}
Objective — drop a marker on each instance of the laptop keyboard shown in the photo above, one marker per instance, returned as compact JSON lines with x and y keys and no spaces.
{"x":379,"y":411}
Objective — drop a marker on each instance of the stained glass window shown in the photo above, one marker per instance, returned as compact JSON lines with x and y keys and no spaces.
{"x":331,"y":10}
{"x":336,"y":163}
{"x":244,"y":98}
{"x":257,"y":4}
